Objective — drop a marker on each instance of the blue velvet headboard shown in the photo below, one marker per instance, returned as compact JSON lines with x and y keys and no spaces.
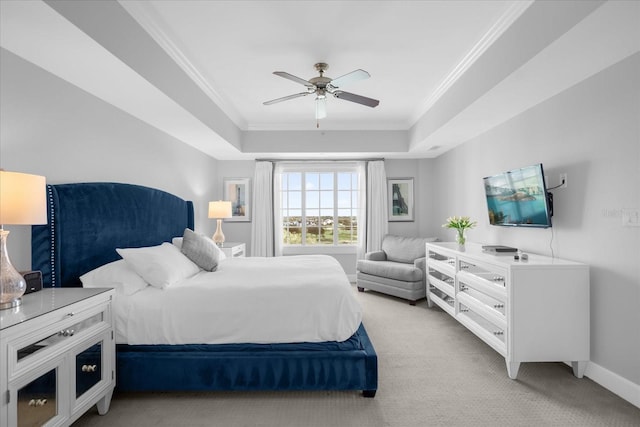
{"x":88,"y":221}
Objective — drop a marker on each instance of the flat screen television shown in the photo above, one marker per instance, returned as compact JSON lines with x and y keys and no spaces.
{"x":519,"y":198}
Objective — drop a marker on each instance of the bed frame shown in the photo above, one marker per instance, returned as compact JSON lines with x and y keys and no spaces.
{"x":87,"y":221}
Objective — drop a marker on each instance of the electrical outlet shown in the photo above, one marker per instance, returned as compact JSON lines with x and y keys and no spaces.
{"x":563,"y":180}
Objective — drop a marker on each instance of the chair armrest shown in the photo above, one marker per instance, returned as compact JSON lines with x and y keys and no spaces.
{"x":376,"y":256}
{"x":421,"y":263}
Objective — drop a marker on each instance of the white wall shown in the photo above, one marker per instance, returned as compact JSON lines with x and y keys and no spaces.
{"x":49,"y":127}
{"x":590,"y":131}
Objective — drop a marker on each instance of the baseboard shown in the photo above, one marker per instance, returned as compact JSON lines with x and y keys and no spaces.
{"x":614,"y":383}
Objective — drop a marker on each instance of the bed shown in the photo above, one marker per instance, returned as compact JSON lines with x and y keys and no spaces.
{"x":88,"y":221}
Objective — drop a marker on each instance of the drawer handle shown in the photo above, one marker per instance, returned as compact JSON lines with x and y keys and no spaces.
{"x":71,"y":314}
{"x":464,"y":310}
{"x":89,"y":368}
{"x":498,"y":305}
{"x":498,"y":279}
{"x":497,"y":333}
{"x":37,"y":402}
{"x":463,"y":288}
{"x":67,"y":333}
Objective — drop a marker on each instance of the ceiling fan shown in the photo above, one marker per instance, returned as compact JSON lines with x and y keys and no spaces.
{"x":322,"y":86}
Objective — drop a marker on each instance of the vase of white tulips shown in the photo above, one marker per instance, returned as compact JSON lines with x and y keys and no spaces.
{"x":461,"y":224}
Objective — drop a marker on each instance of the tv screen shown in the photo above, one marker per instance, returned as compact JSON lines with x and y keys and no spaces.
{"x":519,"y":198}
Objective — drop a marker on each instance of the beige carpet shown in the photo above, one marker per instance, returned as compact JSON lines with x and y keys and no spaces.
{"x":432,"y":372}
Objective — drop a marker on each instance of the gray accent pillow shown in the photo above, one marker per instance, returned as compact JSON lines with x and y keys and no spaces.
{"x":201,"y":250}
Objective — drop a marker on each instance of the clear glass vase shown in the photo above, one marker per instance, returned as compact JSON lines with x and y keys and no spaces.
{"x":460,"y":239}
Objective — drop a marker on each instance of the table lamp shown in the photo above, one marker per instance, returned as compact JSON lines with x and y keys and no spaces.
{"x":219,"y":210}
{"x":23,"y":201}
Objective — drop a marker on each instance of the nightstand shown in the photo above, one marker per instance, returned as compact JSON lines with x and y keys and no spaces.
{"x":234,"y":249}
{"x":58,"y":356}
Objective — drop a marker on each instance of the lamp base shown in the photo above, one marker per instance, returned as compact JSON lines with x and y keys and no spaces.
{"x":10,"y":304}
{"x":12,"y":284}
{"x":218,"y":237}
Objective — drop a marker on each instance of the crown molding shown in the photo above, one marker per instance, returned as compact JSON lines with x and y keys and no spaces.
{"x":510,"y":15}
{"x":148,"y":19}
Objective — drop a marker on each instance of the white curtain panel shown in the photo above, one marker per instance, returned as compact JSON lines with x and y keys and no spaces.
{"x":277,"y":204}
{"x":263,"y":221}
{"x":377,"y":224}
{"x":362,"y":209}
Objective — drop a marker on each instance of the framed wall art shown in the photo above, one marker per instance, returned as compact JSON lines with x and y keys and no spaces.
{"x":238,"y":192}
{"x":400,"y":199}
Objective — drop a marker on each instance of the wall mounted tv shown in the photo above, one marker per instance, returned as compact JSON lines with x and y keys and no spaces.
{"x":519,"y":198}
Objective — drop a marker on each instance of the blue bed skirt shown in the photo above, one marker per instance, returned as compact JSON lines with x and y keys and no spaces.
{"x":351,"y":365}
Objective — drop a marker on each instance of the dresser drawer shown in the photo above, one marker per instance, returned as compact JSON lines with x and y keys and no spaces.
{"x":56,"y":338}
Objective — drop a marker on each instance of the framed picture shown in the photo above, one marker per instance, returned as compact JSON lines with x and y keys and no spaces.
{"x":238,"y":192}
{"x":400,"y":199}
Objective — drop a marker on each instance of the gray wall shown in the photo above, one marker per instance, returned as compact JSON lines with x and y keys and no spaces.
{"x":50,"y":127}
{"x":590,"y":131}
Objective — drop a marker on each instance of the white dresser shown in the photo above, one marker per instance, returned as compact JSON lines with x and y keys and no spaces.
{"x":534,"y":310}
{"x":58,"y":357}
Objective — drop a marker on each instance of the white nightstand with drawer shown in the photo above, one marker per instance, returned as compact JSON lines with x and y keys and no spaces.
{"x":58,"y":356}
{"x":234,"y":249}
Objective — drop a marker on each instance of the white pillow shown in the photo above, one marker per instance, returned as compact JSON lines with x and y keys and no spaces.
{"x":160,"y":266}
{"x":116,"y":274}
{"x":177,"y":242}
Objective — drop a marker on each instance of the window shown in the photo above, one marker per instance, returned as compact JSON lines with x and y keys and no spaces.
{"x":320,"y":206}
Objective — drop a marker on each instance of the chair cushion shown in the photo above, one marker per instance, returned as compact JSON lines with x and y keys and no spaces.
{"x":392,"y":270}
{"x":404,"y":249}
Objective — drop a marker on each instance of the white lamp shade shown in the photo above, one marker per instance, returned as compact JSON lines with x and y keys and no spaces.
{"x":220,"y":209}
{"x":23,"y":198}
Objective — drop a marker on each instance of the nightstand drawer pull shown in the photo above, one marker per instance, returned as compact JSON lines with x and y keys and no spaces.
{"x":37,"y":402}
{"x":71,"y":314}
{"x":67,"y":332}
{"x":89,"y":368}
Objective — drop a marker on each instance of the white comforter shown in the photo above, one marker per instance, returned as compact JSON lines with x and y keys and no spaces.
{"x":247,"y":300}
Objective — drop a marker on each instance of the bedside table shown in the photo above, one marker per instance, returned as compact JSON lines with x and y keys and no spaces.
{"x":58,"y":356}
{"x":234,"y":249}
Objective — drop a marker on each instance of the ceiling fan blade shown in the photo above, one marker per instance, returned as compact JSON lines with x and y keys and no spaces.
{"x":294,"y":78}
{"x":369,"y":102}
{"x":286,"y":98}
{"x":349,"y":78}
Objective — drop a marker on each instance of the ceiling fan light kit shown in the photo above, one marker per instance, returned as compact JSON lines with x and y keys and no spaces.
{"x":322,"y":86}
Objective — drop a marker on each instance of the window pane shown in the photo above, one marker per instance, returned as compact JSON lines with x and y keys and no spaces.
{"x":294,"y":199}
{"x":313,"y":199}
{"x":326,"y":213}
{"x":312,"y":181}
{"x":344,"y":199}
{"x":344,"y":181}
{"x":326,"y":181}
{"x":295,"y":181}
{"x":354,"y":181}
{"x":326,"y":199}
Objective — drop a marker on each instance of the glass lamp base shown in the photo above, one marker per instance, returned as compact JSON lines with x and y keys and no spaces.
{"x":10,"y":304}
{"x":12,"y":284}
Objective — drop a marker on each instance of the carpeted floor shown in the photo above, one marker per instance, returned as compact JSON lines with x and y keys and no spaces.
{"x":432,"y":372}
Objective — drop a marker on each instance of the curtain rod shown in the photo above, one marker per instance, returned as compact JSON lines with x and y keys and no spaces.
{"x":373,"y":159}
